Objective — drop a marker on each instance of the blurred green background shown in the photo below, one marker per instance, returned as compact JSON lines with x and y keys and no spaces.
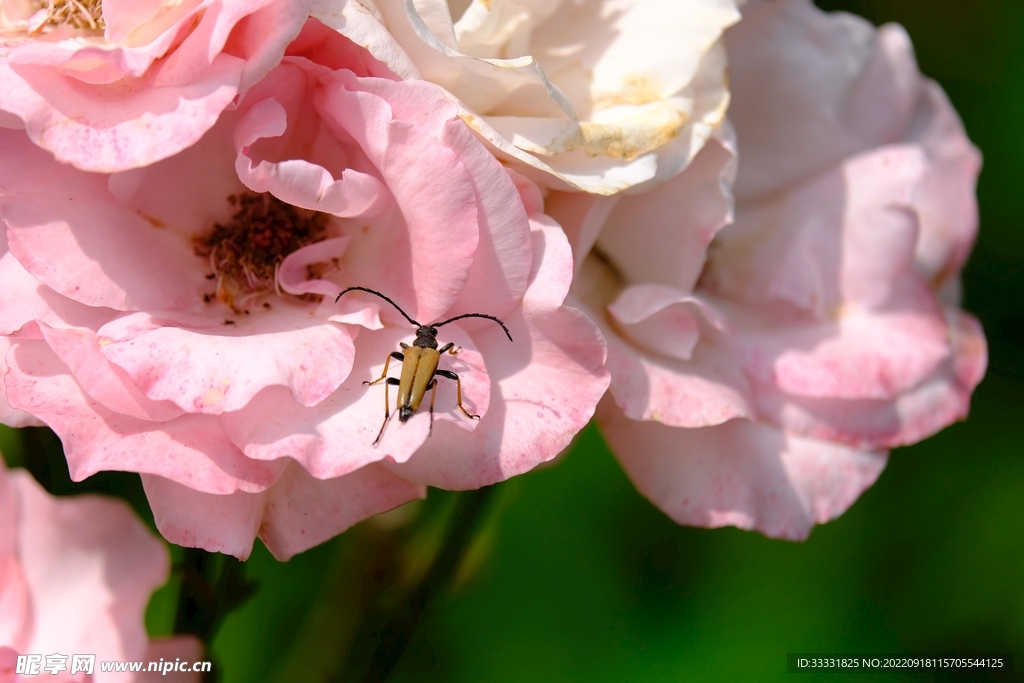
{"x":573,"y":576}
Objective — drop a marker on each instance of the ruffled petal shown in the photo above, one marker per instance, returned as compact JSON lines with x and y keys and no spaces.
{"x":205,"y":366}
{"x":293,"y":516}
{"x":191,"y":449}
{"x":336,"y":437}
{"x":740,"y":473}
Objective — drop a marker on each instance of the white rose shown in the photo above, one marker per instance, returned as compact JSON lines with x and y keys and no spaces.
{"x":596,"y":95}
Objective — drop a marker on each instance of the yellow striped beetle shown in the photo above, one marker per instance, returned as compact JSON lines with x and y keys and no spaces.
{"x":419,"y":366}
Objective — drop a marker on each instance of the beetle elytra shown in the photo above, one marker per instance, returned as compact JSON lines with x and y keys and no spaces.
{"x":419,"y":366}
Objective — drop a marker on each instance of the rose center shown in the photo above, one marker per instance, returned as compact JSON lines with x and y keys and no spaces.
{"x":246,"y":251}
{"x":80,"y":14}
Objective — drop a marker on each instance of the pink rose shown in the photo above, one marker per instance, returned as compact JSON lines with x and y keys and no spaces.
{"x":75,"y":576}
{"x":763,"y":388}
{"x":180,"y":320}
{"x":124,"y":83}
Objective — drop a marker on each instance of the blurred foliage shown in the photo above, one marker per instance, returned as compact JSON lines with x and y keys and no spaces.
{"x":572,"y":576}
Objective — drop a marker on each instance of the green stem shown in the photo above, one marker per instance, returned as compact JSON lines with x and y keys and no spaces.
{"x":212,"y":586}
{"x":388,"y":629}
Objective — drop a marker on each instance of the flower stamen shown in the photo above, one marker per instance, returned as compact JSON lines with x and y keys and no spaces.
{"x":80,"y":14}
{"x":245,"y":253}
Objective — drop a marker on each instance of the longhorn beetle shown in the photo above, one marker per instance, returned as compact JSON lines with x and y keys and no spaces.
{"x":419,"y":366}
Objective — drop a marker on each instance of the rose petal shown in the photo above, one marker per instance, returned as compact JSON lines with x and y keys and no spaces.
{"x":740,"y":473}
{"x":204,"y":366}
{"x":336,"y":437}
{"x":93,"y":553}
{"x":67,"y":230}
{"x":294,"y":515}
{"x":191,"y":449}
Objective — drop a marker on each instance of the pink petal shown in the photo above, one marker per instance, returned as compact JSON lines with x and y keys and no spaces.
{"x":106,"y":383}
{"x":23,"y":299}
{"x":504,"y":254}
{"x":8,"y":415}
{"x":706,"y":390}
{"x":860,"y":355}
{"x":15,"y":599}
{"x":792,"y":72}
{"x":297,"y":181}
{"x":680,"y":216}
{"x":663,"y":319}
{"x":435,"y":209}
{"x":91,"y":566}
{"x":844,"y":237}
{"x":582,"y":217}
{"x":68,"y":231}
{"x":740,"y":473}
{"x":263,"y":33}
{"x":946,"y":201}
{"x":303,"y":512}
{"x":297,"y":513}
{"x":105,"y":128}
{"x":336,"y":437}
{"x":191,"y":449}
{"x":205,"y":366}
{"x":323,"y":45}
{"x":917,"y":413}
{"x":545,"y":386}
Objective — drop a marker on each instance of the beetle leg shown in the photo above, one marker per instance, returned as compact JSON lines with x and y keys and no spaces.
{"x":433,"y":394}
{"x":449,"y":348}
{"x":394,"y":354}
{"x":458,"y":392}
{"x":392,"y":382}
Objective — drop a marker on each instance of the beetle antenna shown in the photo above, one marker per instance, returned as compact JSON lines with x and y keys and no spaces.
{"x":372,"y":291}
{"x":476,"y":315}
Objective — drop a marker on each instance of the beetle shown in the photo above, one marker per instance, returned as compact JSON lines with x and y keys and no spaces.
{"x":419,"y":366}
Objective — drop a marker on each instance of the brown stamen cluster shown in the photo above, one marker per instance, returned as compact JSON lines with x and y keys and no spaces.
{"x":81,"y":14}
{"x":246,"y":252}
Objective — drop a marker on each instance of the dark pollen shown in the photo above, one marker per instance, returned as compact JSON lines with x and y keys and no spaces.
{"x":246,"y":252}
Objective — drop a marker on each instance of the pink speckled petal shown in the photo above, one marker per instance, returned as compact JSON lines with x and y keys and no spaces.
{"x":740,"y":473}
{"x":23,"y":299}
{"x":917,"y":413}
{"x":121,"y":105}
{"x":706,"y":390}
{"x":106,"y":383}
{"x":76,"y":122}
{"x":191,"y":449}
{"x":303,"y":512}
{"x":296,"y":514}
{"x":8,"y":415}
{"x":205,"y":366}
